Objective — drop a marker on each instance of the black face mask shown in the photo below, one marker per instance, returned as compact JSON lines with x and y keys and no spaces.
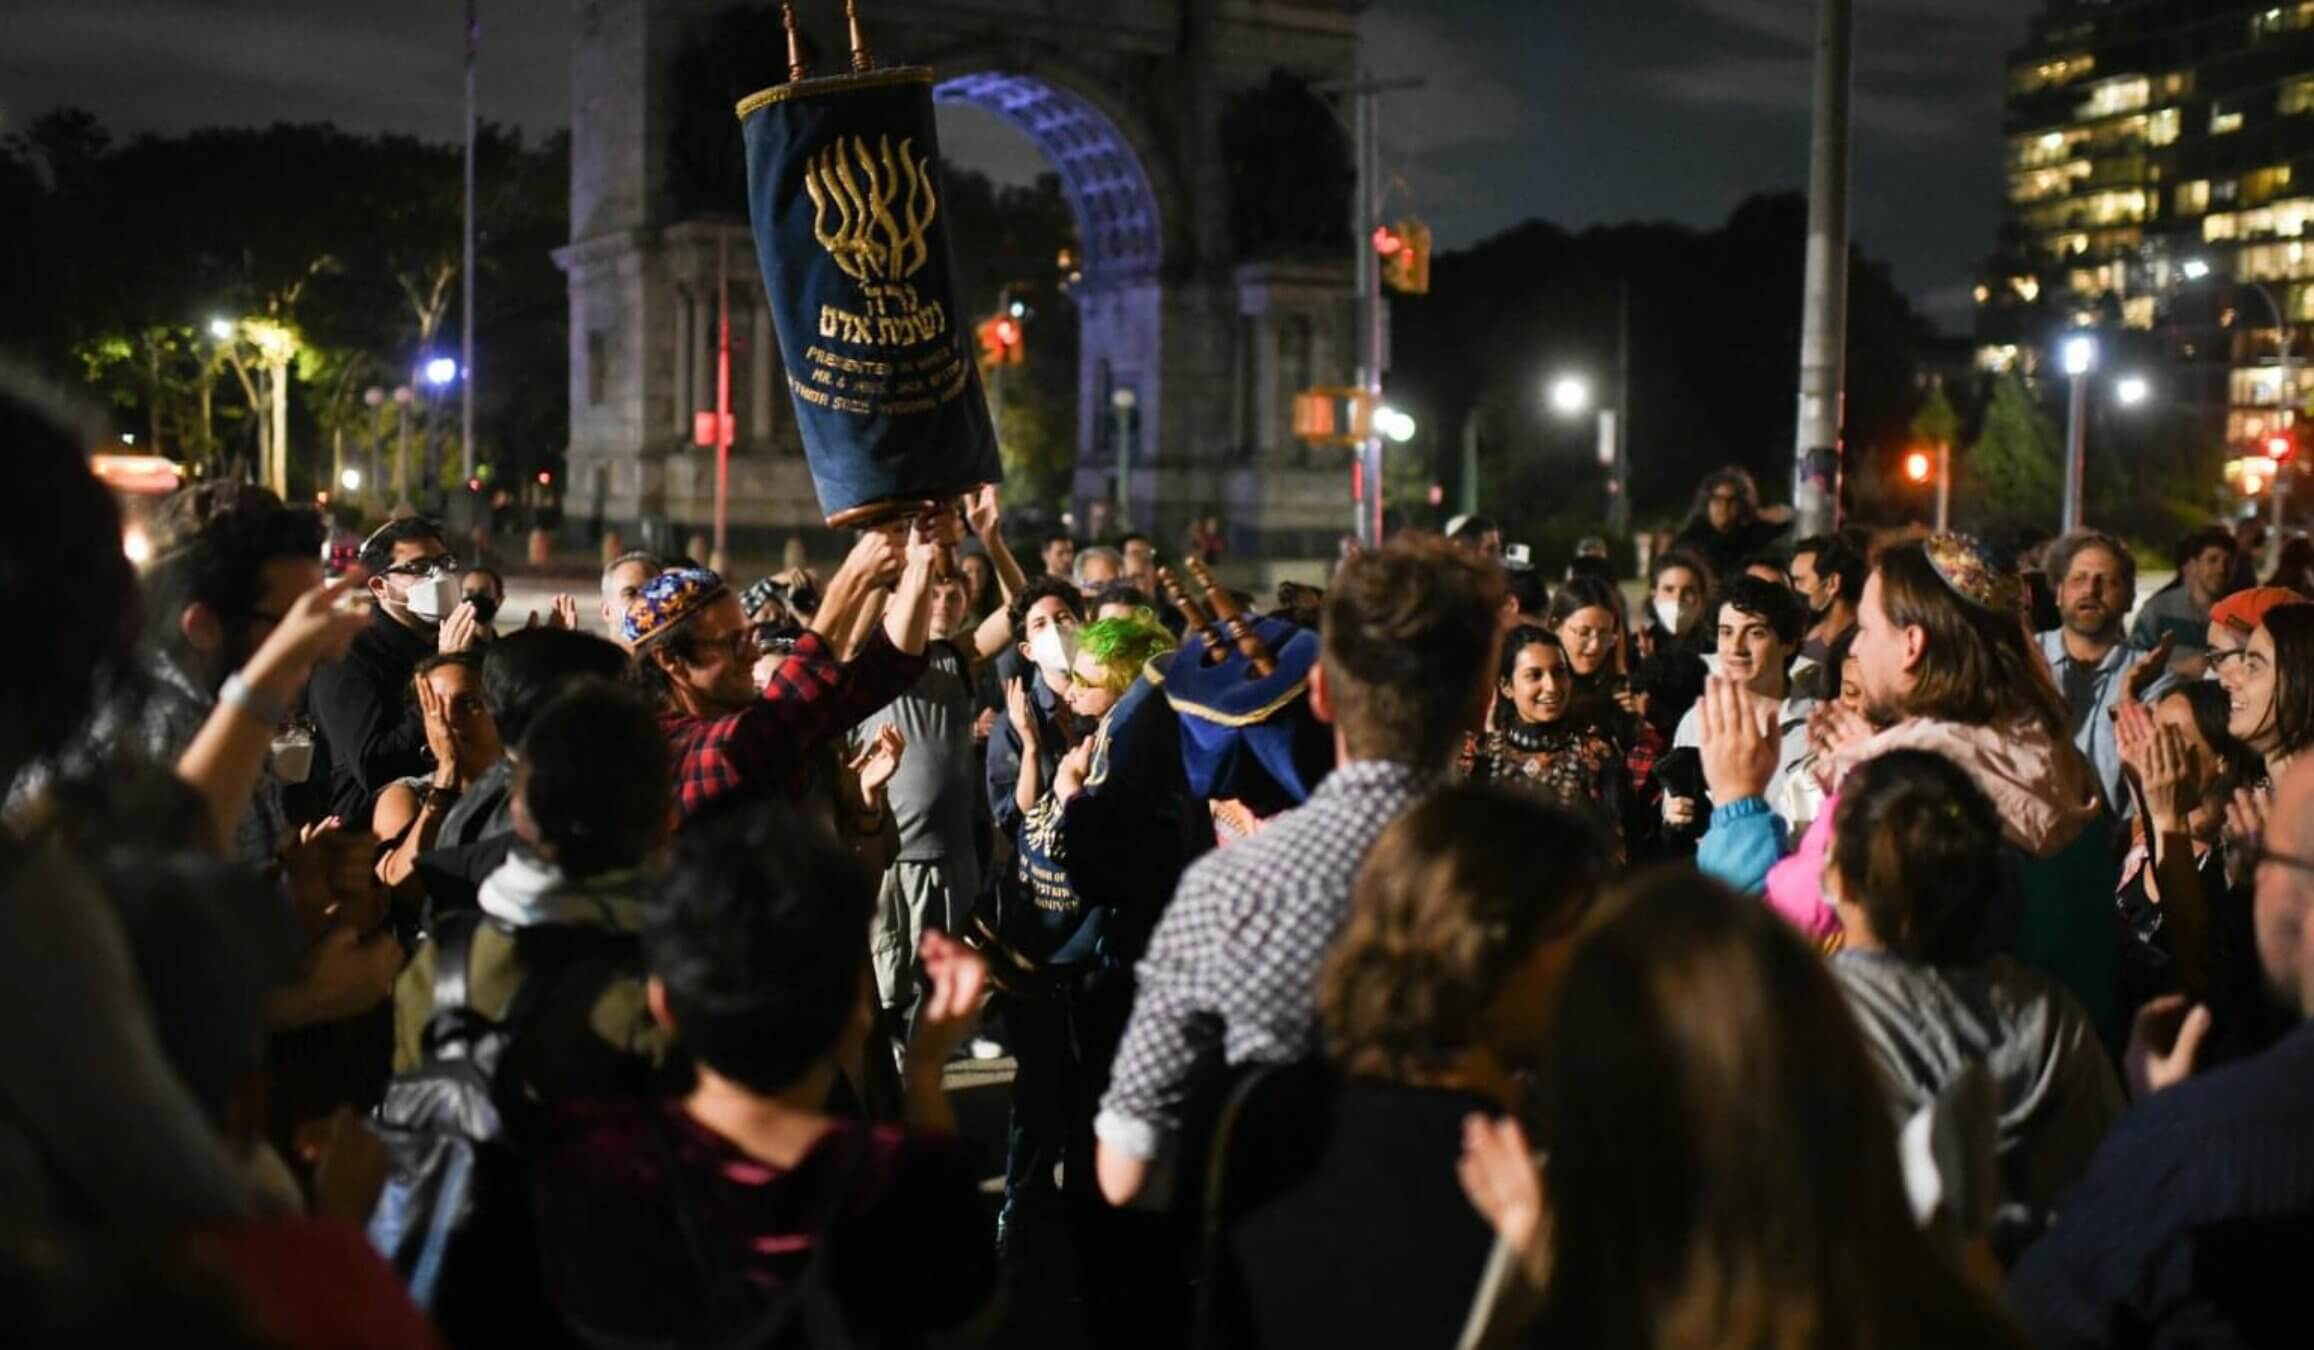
{"x":485,"y":608}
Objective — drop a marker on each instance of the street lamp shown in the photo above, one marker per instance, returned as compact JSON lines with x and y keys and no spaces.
{"x":1571,"y":397}
{"x":1398,"y":426}
{"x":440,"y":371}
{"x":2131,"y":390}
{"x":351,"y":479}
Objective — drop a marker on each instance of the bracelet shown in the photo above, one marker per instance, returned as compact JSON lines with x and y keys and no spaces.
{"x":237,"y":693}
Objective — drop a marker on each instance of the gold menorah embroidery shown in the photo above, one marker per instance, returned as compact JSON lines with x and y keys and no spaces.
{"x":853,"y":191}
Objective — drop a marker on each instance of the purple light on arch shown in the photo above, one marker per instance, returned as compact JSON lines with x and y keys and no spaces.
{"x":1107,"y":188}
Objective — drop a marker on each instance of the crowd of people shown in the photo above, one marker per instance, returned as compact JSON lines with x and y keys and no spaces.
{"x":1828,"y":955}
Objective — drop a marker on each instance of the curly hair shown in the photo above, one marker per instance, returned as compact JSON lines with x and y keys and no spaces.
{"x":1123,"y":646}
{"x":1448,"y":910}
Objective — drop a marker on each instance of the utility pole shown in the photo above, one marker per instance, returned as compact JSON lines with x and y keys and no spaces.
{"x":2076,"y":449}
{"x":1824,"y":316}
{"x":1367,"y":217}
{"x":466,"y":305}
{"x":1619,"y":493}
{"x":722,"y":397}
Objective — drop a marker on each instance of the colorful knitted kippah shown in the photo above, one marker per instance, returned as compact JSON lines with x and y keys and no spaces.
{"x":667,"y":599}
{"x":1973,"y":574}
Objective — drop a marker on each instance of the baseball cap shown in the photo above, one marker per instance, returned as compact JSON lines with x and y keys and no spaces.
{"x":2243,"y":611}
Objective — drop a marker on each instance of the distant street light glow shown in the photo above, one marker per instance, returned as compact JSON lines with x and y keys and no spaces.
{"x":2195,"y":269}
{"x":352,"y":479}
{"x":1917,"y":467}
{"x":1570,"y":394}
{"x":2080,"y":355}
{"x":221,"y":329}
{"x":441,"y":370}
{"x":1398,"y":426}
{"x":2132,"y":390}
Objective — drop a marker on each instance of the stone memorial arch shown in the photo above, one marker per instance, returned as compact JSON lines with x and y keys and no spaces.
{"x":1124,"y":99}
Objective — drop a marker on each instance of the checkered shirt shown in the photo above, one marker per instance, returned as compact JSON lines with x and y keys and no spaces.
{"x":1231,"y":974}
{"x":770,"y":745}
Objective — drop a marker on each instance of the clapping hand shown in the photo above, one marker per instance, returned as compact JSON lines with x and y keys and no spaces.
{"x":461,"y":631}
{"x":1021,"y":714}
{"x":2161,"y":761}
{"x":2149,"y":667}
{"x":563,"y":615}
{"x":2164,"y":1040}
{"x":877,"y":761}
{"x":1739,"y":754}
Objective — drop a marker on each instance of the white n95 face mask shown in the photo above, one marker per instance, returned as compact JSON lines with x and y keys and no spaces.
{"x":1674,"y":617}
{"x":1054,"y":650}
{"x":432,"y":597}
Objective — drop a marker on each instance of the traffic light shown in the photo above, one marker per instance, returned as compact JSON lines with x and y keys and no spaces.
{"x":1405,"y":250}
{"x":1917,"y":467}
{"x":2280,"y":446}
{"x":1001,"y":341}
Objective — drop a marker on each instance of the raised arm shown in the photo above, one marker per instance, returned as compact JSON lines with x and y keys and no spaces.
{"x":986,"y":517}
{"x":227,"y":757}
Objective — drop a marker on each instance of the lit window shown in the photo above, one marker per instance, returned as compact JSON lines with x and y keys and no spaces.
{"x":2224,"y":123}
{"x":2118,"y":95}
{"x":2162,"y":127}
{"x":2137,"y":312}
{"x":2193,"y":198}
{"x":2219,"y":227}
{"x":2028,"y":289}
{"x":2297,"y":96}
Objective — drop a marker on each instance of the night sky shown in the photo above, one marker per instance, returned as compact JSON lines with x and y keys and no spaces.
{"x":1580,"y":111}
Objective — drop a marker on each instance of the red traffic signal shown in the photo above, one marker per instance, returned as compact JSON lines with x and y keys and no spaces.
{"x":1917,"y":467}
{"x":1000,"y":341}
{"x":2280,"y":446}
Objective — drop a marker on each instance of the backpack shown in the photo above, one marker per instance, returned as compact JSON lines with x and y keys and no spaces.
{"x":454,"y":1216}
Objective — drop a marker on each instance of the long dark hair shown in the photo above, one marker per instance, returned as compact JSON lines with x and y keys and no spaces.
{"x":2292,"y":629}
{"x":1722,"y":1168}
{"x":2207,"y":700}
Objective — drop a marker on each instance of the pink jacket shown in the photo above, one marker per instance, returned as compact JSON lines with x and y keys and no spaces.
{"x":2042,"y":787}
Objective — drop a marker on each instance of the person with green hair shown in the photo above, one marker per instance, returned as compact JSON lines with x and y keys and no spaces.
{"x":1055,"y":951}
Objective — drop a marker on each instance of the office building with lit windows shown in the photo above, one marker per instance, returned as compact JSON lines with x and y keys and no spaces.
{"x":2160,"y":158}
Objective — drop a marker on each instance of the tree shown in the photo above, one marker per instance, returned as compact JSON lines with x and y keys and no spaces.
{"x":2012,"y":475}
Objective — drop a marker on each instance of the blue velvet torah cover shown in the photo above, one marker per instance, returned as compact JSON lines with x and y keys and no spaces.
{"x":1247,"y":738}
{"x":843,"y":192}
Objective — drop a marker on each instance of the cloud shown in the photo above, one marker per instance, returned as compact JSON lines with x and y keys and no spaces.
{"x":1460,"y":105}
{"x":1926,"y":69}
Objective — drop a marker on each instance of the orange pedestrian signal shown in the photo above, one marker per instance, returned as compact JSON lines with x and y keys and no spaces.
{"x":1917,"y":467}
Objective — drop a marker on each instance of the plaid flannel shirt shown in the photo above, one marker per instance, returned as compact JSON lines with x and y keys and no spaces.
{"x":1231,"y":973}
{"x":769,"y":745}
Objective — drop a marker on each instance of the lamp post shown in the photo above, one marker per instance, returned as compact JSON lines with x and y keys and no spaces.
{"x":2079,"y":355}
{"x":404,"y":396}
{"x":1122,"y":401}
{"x":1571,"y":396}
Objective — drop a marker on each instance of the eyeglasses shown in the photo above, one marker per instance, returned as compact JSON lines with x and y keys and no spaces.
{"x":418,"y":567}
